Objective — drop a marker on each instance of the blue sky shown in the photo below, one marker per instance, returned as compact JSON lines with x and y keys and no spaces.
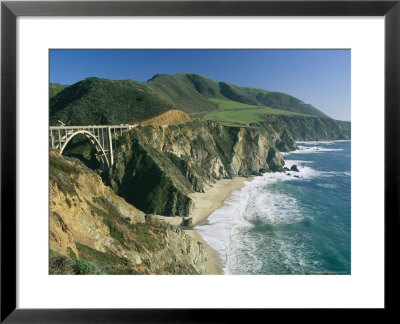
{"x":318,"y":77}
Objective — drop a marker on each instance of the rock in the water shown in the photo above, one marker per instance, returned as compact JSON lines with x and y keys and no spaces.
{"x":286,"y":169}
{"x":275,"y":160}
{"x":294,"y":168}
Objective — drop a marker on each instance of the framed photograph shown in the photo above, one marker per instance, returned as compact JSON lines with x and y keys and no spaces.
{"x":194,"y":160}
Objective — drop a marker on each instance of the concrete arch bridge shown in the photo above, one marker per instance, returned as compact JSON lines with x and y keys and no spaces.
{"x":100,"y":136}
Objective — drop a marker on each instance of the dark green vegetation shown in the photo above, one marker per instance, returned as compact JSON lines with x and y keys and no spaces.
{"x":108,"y":262}
{"x":64,"y":175}
{"x":60,"y":264}
{"x":91,"y":262}
{"x":147,"y":178}
{"x":81,"y":148}
{"x":95,"y":101}
{"x":55,"y":88}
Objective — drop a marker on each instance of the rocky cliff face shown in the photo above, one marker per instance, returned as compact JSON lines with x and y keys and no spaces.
{"x":90,"y":226}
{"x":156,"y":168}
{"x":309,"y":128}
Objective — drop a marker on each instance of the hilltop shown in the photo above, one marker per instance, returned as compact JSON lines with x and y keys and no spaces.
{"x":102,"y":101}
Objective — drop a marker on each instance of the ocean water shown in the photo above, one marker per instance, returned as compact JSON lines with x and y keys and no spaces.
{"x":282,"y":224}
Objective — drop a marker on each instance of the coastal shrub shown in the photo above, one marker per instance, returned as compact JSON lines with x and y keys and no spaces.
{"x":59,"y":264}
{"x":81,"y":148}
{"x":68,"y":202}
{"x":71,"y":253}
{"x":83,"y":266}
{"x":59,"y":165}
{"x":110,"y":217}
{"x":107,"y":262}
{"x":64,"y":175}
{"x":145,"y":237}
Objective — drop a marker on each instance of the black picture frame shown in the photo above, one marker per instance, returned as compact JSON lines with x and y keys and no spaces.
{"x":10,"y":10}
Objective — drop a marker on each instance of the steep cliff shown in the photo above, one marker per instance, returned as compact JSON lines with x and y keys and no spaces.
{"x":92,"y":230}
{"x":156,"y":168}
{"x":309,"y":128}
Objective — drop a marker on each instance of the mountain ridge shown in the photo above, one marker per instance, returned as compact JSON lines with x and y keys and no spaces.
{"x":103,"y":101}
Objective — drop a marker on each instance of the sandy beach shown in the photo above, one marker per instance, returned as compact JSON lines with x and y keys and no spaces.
{"x":205,"y":204}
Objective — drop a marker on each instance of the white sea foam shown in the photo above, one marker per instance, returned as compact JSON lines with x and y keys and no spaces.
{"x":313,"y":149}
{"x":327,"y":185}
{"x":321,"y":142}
{"x":228,"y":227}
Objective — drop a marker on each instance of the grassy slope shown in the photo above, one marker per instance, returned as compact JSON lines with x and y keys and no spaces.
{"x":246,"y":116}
{"x":55,"y":88}
{"x":229,"y":104}
{"x":188,"y":92}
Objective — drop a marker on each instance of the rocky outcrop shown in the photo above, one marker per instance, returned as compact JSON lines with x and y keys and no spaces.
{"x":89,"y":222}
{"x":157,"y":168}
{"x":294,"y":168}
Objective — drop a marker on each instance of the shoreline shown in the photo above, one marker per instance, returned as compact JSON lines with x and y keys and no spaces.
{"x":213,"y":264}
{"x":213,"y":198}
{"x":204,"y":204}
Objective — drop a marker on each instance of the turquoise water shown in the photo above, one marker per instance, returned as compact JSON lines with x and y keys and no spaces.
{"x":282,"y":224}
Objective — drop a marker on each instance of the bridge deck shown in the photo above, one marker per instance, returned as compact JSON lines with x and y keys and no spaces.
{"x":92,"y":127}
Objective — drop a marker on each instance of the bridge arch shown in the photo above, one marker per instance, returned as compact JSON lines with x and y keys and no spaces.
{"x":93,"y":140}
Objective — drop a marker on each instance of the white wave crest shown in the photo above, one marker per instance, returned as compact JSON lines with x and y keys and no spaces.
{"x":321,"y":142}
{"x":313,"y":149}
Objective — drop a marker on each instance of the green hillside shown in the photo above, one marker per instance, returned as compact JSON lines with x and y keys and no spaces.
{"x":188,"y":92}
{"x":95,"y":101}
{"x":247,"y":116}
{"x":101,"y":101}
{"x":277,"y":100}
{"x":229,"y":104}
{"x":55,"y":88}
